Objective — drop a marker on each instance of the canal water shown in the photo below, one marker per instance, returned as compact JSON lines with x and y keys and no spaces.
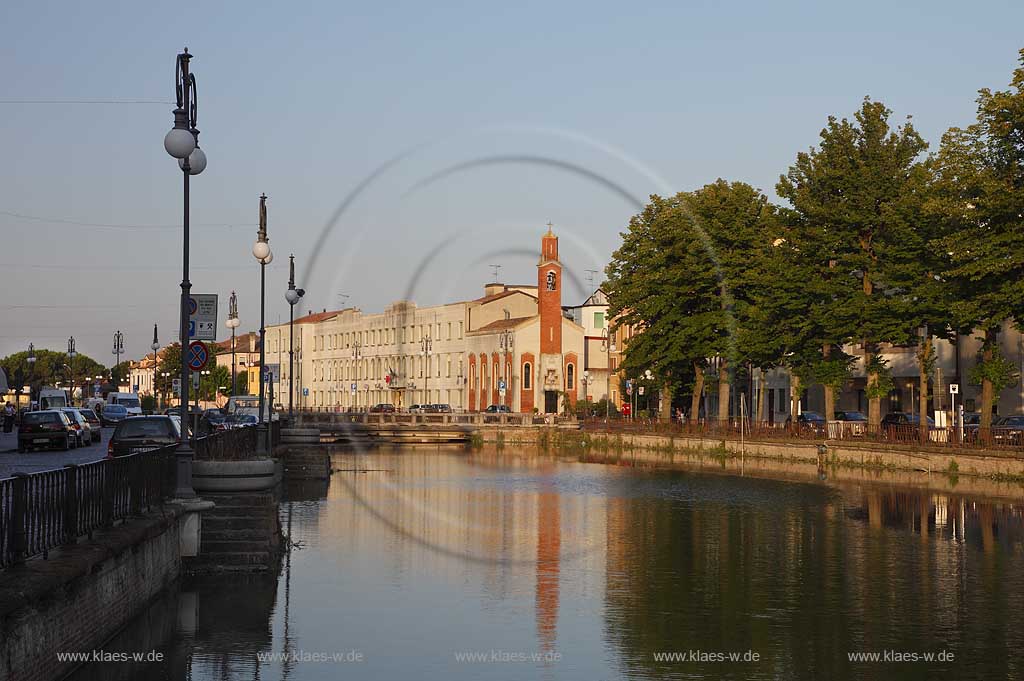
{"x":453,"y":564}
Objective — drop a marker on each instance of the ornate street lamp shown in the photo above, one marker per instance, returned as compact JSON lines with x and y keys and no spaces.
{"x":292,"y":295}
{"x":31,"y":359}
{"x":71,"y":368}
{"x":182,"y":142}
{"x":427,"y":345}
{"x":155,"y":346}
{"x":261,"y":251}
{"x":505,"y":341}
{"x":232,"y":323}
{"x":118,"y":349}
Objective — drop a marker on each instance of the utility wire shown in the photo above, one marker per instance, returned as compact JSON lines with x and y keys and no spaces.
{"x":110,"y":225}
{"x":86,"y":101}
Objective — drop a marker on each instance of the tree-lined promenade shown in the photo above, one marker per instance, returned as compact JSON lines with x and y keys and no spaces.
{"x":878,"y":242}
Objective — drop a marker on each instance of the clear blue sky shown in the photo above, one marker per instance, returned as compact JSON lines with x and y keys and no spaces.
{"x":515,"y":114}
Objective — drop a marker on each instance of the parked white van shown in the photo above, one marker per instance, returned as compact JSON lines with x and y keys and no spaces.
{"x":53,"y":398}
{"x":249,"y":404}
{"x":129,"y":401}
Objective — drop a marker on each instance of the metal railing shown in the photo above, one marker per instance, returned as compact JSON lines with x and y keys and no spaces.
{"x":996,"y":438}
{"x":41,"y":511}
{"x":230,"y":445}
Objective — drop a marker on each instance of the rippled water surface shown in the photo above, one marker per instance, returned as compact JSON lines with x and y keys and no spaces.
{"x":446,"y":564}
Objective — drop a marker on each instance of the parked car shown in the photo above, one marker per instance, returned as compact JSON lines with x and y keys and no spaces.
{"x":113,"y":414}
{"x":1009,"y":430}
{"x":441,"y":408}
{"x":899,"y":424}
{"x":241,"y":421}
{"x":217,"y":419}
{"x":81,"y":426}
{"x":382,"y":408}
{"x":48,"y":429}
{"x":498,"y":409}
{"x":854,"y":423}
{"x":129,"y":401}
{"x":808,"y":421}
{"x":416,"y":409}
{"x":94,"y":422}
{"x":143,"y":434}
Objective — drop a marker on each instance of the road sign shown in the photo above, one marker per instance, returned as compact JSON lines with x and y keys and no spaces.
{"x":305,"y":392}
{"x":354,"y":388}
{"x":272,"y":373}
{"x":198,"y":355}
{"x":176,"y":387}
{"x":954,"y":388}
{"x":195,"y":381}
{"x":640,"y":390}
{"x":202,"y":320}
{"x":501,"y":385}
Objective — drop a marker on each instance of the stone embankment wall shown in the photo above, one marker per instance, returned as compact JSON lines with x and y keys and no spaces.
{"x":81,"y":595}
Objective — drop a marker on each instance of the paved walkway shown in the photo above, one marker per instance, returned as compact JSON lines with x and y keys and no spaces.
{"x":11,"y":461}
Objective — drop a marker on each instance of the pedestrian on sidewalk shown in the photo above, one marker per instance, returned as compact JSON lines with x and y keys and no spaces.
{"x":8,"y":417}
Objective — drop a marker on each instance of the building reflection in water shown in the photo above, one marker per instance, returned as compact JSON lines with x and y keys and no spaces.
{"x":415,"y":554}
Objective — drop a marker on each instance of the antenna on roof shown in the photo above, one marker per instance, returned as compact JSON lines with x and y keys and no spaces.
{"x":496,"y":268}
{"x":590,"y":277}
{"x":342,"y":297}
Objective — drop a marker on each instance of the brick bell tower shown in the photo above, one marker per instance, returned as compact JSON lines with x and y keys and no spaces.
{"x":549,"y":303}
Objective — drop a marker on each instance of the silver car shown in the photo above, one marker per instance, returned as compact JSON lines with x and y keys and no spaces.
{"x":82,"y":427}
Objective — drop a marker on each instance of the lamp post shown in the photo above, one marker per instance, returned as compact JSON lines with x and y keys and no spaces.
{"x":165,"y":375}
{"x":232,"y":323}
{"x":261,"y":251}
{"x":292,"y":295}
{"x":31,"y":370}
{"x":71,"y":368}
{"x":608,"y":345}
{"x":182,"y":142}
{"x":506,"y":339}
{"x":357,"y":352}
{"x":118,"y":349}
{"x":427,"y":345}
{"x":155,"y":347}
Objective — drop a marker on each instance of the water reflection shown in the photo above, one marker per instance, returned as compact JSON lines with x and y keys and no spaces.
{"x":411,"y":558}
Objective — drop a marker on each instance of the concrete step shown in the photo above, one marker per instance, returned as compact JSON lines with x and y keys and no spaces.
{"x":238,"y":534}
{"x":266,"y":523}
{"x":248,"y":558}
{"x":242,"y":499}
{"x":222,"y":546}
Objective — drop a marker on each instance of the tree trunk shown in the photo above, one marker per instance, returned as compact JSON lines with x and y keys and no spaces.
{"x":665,"y":403}
{"x":794,"y":401}
{"x":830,"y":393}
{"x":698,"y":392}
{"x":723,"y":395}
{"x":760,"y":401}
{"x":874,"y":403}
{"x":987,"y":391}
{"x":922,"y":377}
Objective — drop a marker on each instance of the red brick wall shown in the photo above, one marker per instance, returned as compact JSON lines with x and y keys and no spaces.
{"x":526,"y":396}
{"x":570,"y":358}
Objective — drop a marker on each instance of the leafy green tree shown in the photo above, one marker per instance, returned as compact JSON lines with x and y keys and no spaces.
{"x":210,"y":384}
{"x":169,"y":363}
{"x":979,"y":189}
{"x":856,"y":202}
{"x":49,"y":369}
{"x":683,"y":275}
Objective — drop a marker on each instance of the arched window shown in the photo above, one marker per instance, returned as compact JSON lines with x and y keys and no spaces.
{"x":570,"y":377}
{"x":527,"y":376}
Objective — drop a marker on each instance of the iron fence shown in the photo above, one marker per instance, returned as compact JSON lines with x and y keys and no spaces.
{"x":231,"y":445}
{"x":41,"y":511}
{"x":1008,"y":439}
